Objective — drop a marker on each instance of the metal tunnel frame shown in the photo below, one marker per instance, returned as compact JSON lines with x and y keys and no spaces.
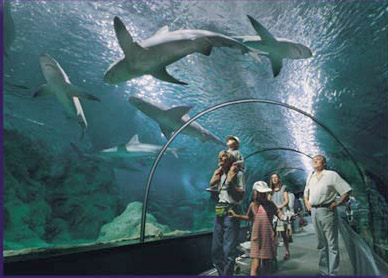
{"x":276,"y":170}
{"x":277,"y":149}
{"x":218,"y":106}
{"x":273,"y":171}
{"x":284,"y":168}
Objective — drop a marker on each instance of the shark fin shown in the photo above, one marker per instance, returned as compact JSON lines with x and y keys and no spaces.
{"x":276,"y":64}
{"x":74,"y":91}
{"x":207,"y":50}
{"x":207,"y":46}
{"x":42,"y":91}
{"x":178,"y":112}
{"x":260,"y":29}
{"x":125,"y":39}
{"x":163,"y":75}
{"x":134,"y":140}
{"x":166,"y":131}
{"x":81,"y":116}
{"x":162,"y":30}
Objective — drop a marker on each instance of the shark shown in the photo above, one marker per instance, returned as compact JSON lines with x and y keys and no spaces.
{"x":165,"y":47}
{"x":96,"y":157}
{"x":276,"y":49}
{"x":68,"y":95}
{"x":134,"y":148}
{"x":171,"y":119}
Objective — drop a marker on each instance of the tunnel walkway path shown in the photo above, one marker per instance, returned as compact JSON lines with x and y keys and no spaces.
{"x":304,"y":257}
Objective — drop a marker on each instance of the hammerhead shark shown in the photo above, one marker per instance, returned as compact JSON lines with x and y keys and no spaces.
{"x":152,"y":55}
{"x":276,"y":49}
{"x":171,"y":119}
{"x":58,"y":84}
{"x":134,"y":148}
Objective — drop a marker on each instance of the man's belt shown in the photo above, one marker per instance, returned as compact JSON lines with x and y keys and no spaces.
{"x":227,"y":204}
{"x":321,"y":206}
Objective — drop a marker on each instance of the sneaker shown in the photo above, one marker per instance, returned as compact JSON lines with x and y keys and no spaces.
{"x":281,"y":243}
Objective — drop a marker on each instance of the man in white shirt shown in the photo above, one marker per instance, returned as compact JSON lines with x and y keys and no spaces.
{"x":320,"y":193}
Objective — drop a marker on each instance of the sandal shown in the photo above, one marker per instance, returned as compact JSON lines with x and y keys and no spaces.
{"x":286,"y":257}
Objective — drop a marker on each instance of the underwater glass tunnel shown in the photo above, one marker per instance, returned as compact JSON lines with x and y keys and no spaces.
{"x":99,"y":147}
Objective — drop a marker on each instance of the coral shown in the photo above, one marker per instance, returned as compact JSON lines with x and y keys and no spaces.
{"x":127,"y":226}
{"x":53,"y":200}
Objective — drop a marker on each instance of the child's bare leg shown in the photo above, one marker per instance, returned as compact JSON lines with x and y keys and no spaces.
{"x":255,"y":264}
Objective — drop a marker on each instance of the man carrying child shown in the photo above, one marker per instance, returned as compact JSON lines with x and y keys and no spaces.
{"x":229,"y":184}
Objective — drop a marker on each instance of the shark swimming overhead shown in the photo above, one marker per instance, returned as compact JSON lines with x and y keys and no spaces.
{"x":171,"y":119}
{"x":134,"y":148}
{"x":152,"y":55}
{"x":276,"y":49}
{"x":58,"y":84}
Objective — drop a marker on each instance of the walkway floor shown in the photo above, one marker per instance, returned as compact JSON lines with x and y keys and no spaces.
{"x":303,"y":261}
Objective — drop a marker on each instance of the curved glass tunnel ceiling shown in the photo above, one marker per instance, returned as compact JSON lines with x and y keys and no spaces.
{"x":343,"y":86}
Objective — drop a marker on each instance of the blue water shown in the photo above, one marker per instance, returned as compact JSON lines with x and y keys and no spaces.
{"x":343,"y":85}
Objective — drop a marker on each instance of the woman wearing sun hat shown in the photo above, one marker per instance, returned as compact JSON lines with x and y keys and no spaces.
{"x":261,"y":211}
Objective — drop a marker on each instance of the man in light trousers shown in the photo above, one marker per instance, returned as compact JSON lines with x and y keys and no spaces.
{"x":320,"y":193}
